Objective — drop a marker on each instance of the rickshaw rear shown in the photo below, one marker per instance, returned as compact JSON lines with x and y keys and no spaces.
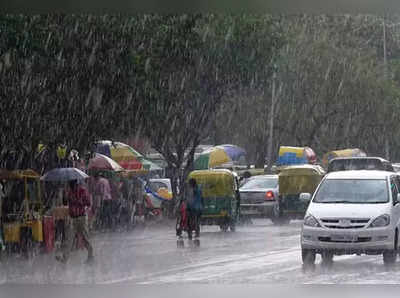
{"x":220,"y":191}
{"x":294,"y":180}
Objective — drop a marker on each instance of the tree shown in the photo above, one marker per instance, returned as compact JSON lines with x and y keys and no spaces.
{"x":66,"y":80}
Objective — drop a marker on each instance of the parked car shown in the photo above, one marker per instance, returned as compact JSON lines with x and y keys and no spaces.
{"x":158,"y":196}
{"x":359,"y":163}
{"x":258,"y":196}
{"x":352,"y":212}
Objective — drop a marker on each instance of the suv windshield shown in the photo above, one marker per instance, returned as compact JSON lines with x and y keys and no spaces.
{"x":355,"y":191}
{"x":261,"y":183}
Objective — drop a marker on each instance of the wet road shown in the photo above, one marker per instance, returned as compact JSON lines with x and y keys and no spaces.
{"x":256,"y":254}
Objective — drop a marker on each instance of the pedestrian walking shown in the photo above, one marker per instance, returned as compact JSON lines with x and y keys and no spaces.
{"x":78,"y":201}
{"x":195,"y":207}
{"x":102,"y":199}
{"x":115,"y":202}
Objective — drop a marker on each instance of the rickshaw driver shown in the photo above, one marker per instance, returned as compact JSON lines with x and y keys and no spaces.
{"x":195,"y":207}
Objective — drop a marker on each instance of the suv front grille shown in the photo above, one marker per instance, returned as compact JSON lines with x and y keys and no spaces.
{"x":344,"y":223}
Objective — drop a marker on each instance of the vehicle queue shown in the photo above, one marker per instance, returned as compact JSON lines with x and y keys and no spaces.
{"x":295,"y":189}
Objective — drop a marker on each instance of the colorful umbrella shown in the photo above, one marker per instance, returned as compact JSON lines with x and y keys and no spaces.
{"x":64,"y":174}
{"x":218,"y":155}
{"x":102,"y":162}
{"x":123,"y":154}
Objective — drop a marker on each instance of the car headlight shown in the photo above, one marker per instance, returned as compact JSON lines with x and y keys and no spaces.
{"x":380,"y":221}
{"x":311,"y":221}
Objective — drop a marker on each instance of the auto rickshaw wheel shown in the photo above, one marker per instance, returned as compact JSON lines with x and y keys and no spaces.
{"x":278,"y":218}
{"x":224,"y":227}
{"x":232,"y":226}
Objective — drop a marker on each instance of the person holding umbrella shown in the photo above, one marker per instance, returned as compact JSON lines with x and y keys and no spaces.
{"x":78,"y":201}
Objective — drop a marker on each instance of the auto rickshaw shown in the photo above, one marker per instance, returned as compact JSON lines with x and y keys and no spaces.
{"x":22,"y":210}
{"x":354,"y":152}
{"x":294,"y":180}
{"x":220,"y":190}
{"x":295,"y":156}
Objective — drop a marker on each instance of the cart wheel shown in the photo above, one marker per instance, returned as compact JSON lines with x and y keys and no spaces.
{"x":196,"y":242}
{"x":232,"y":227}
{"x":224,"y":227}
{"x":180,"y":243}
{"x":131,"y":221}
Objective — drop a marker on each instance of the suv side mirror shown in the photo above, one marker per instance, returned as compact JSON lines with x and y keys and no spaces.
{"x":396,"y":200}
{"x":305,"y":197}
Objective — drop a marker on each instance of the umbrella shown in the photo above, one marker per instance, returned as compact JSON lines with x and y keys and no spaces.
{"x":102,"y":162}
{"x":123,"y":154}
{"x":64,"y":174}
{"x":218,"y":155}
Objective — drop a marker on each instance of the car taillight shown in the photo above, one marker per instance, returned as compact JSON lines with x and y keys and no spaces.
{"x":269,"y":195}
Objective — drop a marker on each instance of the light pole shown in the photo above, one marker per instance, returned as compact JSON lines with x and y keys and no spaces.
{"x":271,"y":119}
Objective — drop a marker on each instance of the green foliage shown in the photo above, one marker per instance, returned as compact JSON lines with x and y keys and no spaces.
{"x":179,"y":80}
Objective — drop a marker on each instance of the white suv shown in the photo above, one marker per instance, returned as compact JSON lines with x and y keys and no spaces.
{"x":352,"y":212}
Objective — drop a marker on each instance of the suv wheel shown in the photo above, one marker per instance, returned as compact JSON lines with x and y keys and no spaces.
{"x":327,"y":258}
{"x":308,"y":257}
{"x":390,"y":256}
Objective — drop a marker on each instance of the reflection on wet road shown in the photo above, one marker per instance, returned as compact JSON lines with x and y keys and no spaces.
{"x":256,"y":254}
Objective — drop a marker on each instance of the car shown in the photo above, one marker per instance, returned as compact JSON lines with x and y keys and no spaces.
{"x":352,"y":212}
{"x":396,"y":167}
{"x":258,"y":196}
{"x":158,"y":200}
{"x":359,"y":163}
{"x":156,"y":183}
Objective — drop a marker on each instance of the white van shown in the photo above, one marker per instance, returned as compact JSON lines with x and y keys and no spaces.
{"x":352,"y":212}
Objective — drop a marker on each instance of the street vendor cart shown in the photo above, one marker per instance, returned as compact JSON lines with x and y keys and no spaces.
{"x":22,"y":211}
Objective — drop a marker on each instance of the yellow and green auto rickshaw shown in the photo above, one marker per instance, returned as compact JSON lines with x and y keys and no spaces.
{"x":22,"y":209}
{"x":354,"y":152}
{"x":220,"y":191}
{"x":294,"y":180}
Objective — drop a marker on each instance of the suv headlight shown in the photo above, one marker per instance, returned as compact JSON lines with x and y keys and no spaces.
{"x":380,"y":221}
{"x":311,"y":221}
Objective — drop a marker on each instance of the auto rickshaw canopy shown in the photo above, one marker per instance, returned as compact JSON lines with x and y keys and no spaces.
{"x":297,"y":179}
{"x":18,"y":174}
{"x":215,"y":183}
{"x":295,"y":156}
{"x":354,"y":152}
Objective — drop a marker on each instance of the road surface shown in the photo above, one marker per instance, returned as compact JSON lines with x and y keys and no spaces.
{"x":255,"y":254}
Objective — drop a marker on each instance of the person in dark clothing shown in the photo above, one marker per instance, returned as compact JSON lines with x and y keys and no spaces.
{"x":195,"y":207}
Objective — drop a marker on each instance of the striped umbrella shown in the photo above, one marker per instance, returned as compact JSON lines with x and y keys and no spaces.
{"x":123,"y":154}
{"x":103,"y":162}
